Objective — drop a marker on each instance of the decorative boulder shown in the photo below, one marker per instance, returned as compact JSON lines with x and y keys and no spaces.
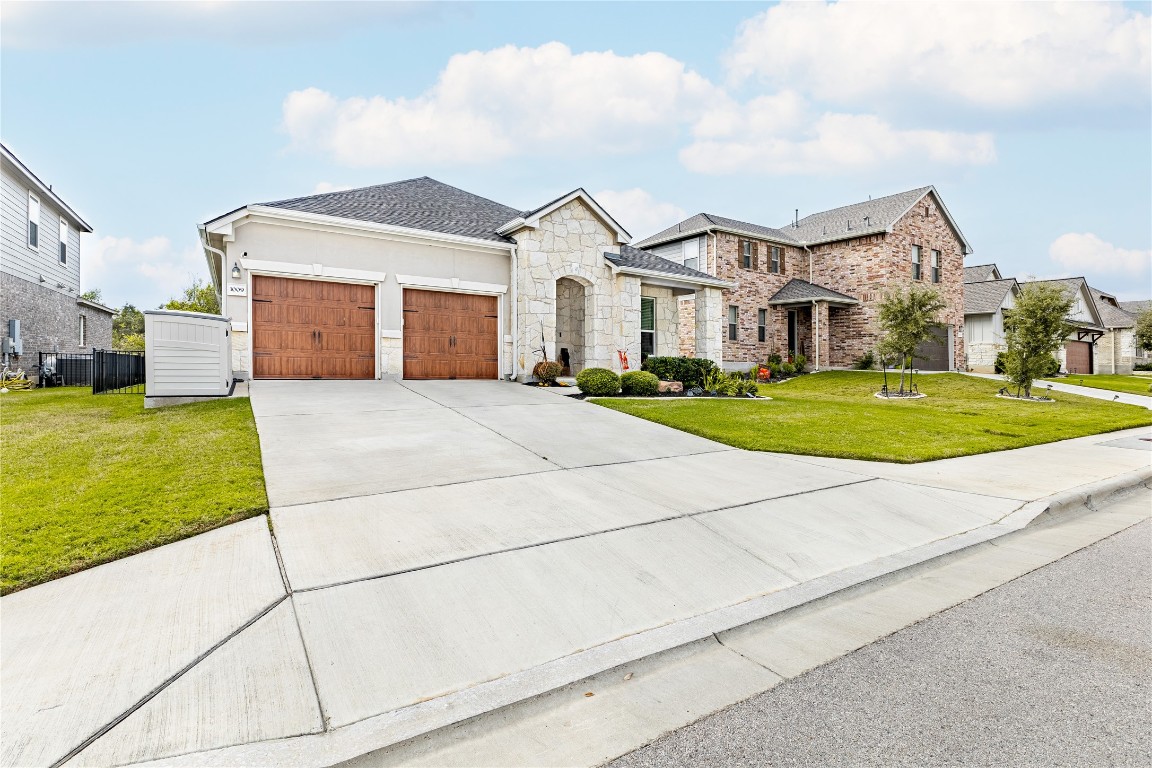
{"x":671,"y":386}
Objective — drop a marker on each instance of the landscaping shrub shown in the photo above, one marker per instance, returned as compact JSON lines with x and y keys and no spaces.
{"x":800,"y":363}
{"x":639,"y":383}
{"x":865,"y":362}
{"x":745,"y":386}
{"x":715,"y":381}
{"x":787,"y":369}
{"x":690,"y":371}
{"x":775,"y":359}
{"x":599,"y":382}
{"x":1142,"y":367}
{"x":547,"y":371}
{"x":1051,"y":369}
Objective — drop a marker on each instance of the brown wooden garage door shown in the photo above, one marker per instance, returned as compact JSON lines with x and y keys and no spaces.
{"x":450,"y":336}
{"x":309,"y":329}
{"x":1078,"y":357}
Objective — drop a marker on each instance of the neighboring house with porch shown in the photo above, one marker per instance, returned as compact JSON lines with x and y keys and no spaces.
{"x":815,"y":286}
{"x":987,"y":296}
{"x":419,"y":279}
{"x":40,"y":305}
{"x":1077,"y":354}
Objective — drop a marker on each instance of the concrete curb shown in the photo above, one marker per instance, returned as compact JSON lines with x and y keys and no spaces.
{"x":387,"y":729}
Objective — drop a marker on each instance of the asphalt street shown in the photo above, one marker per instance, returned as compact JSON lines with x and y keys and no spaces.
{"x":1052,"y":669}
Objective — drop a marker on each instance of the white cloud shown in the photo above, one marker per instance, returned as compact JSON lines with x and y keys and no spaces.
{"x":145,"y":273}
{"x":638,"y":212}
{"x":40,"y":25}
{"x":487,"y":106}
{"x":1001,"y":55}
{"x":1085,"y":253}
{"x":775,"y":135}
{"x":326,"y":186}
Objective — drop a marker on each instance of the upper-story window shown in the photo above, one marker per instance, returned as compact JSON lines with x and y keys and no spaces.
{"x":916,"y":262}
{"x":747,"y":254}
{"x":692,"y":253}
{"x":63,"y":241}
{"x":33,"y":221}
{"x":733,"y":317}
{"x":777,"y":259}
{"x":935,"y":265}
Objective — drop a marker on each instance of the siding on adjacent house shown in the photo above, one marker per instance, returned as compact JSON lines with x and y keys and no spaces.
{"x":20,"y":260}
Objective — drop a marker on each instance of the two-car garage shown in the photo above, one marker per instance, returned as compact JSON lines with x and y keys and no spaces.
{"x":319,"y":329}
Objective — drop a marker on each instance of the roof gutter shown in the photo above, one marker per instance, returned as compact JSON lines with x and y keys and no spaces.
{"x":216,"y":274}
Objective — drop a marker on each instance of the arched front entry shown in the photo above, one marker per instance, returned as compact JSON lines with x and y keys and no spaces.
{"x":572,"y":322}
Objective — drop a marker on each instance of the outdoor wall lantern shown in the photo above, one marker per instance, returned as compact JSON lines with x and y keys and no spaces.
{"x":235,"y":271}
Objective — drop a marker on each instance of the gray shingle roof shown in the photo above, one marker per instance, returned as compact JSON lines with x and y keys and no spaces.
{"x":980,"y":273}
{"x":986,"y":296}
{"x":849,"y":220}
{"x":1111,"y":315}
{"x":421,"y":203}
{"x":1136,"y":307}
{"x":1073,"y":285}
{"x":640,"y":259}
{"x":802,"y":290}
{"x":704,"y":221}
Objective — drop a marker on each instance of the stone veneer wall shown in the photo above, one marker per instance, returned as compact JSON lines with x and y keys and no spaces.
{"x":571,"y":242}
{"x":1124,"y":342}
{"x":571,"y":304}
{"x":49,"y":321}
{"x":982,"y":356}
{"x":241,"y":357}
{"x":866,"y":267}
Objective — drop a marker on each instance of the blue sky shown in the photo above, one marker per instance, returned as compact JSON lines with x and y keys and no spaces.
{"x":1033,"y":120}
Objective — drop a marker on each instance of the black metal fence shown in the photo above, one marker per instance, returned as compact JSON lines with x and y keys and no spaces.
{"x":63,"y":369}
{"x":120,"y":373}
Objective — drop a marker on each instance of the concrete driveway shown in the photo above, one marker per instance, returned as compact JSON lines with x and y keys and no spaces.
{"x":437,"y":548}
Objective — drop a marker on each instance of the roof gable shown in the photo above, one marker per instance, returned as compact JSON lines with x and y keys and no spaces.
{"x":867,"y":218}
{"x":1079,"y":287}
{"x":981,"y":272}
{"x":703,"y":222}
{"x":44,"y":190}
{"x":987,"y":296}
{"x":532,"y":218}
{"x":1111,"y":315}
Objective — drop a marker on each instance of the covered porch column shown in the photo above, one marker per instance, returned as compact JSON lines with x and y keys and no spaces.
{"x":821,"y":351}
{"x":710,"y":325}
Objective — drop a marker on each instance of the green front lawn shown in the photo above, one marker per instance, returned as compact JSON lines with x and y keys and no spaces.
{"x":87,"y":479}
{"x":1134,"y":385}
{"x":835,"y":414}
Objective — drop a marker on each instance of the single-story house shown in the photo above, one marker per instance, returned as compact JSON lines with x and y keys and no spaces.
{"x":418,"y":279}
{"x":1077,"y":354}
{"x":986,"y":297}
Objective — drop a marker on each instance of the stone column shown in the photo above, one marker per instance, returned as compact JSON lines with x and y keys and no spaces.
{"x":710,"y":325}
{"x":821,"y":335}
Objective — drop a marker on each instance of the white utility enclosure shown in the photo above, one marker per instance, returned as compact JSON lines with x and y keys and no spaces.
{"x":187,"y":354}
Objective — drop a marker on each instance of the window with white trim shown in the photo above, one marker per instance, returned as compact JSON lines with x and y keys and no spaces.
{"x":761,"y":325}
{"x":692,"y":253}
{"x":733,"y":317}
{"x":83,"y":330}
{"x":647,"y":327}
{"x":33,"y":221}
{"x":916,"y":262}
{"x":935,"y":265}
{"x":63,"y":241}
{"x":777,"y":264}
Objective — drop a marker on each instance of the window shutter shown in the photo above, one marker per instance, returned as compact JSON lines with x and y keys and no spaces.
{"x":783,"y":250}
{"x":647,"y":314}
{"x":755,"y":255}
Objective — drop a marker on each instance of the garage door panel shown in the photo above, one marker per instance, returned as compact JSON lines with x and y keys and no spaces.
{"x":1078,"y":357}
{"x":450,"y":335}
{"x":302,"y":329}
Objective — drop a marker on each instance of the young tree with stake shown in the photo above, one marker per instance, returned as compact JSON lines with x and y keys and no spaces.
{"x":1033,"y":330}
{"x":908,"y":318}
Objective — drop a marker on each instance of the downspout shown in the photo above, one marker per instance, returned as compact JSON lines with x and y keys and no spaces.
{"x":218,"y":278}
{"x":515,"y":315}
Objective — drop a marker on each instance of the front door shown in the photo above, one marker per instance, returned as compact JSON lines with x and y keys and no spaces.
{"x":450,"y":335}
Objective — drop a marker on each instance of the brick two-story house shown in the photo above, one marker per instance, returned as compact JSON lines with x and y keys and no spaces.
{"x":814,"y":286}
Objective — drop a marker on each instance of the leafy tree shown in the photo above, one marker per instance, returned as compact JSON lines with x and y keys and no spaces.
{"x":1034,"y":330}
{"x":92,"y":295}
{"x":198,"y":297}
{"x":1143,"y":331}
{"x":128,"y":328}
{"x":908,"y":318}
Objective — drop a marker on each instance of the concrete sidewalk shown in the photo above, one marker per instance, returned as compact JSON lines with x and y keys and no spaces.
{"x":1072,"y":389}
{"x":440,"y":549}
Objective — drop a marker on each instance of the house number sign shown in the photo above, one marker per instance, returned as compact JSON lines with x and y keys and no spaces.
{"x":237,"y":290}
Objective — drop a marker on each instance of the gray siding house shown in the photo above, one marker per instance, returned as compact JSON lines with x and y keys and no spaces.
{"x":40,"y":305}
